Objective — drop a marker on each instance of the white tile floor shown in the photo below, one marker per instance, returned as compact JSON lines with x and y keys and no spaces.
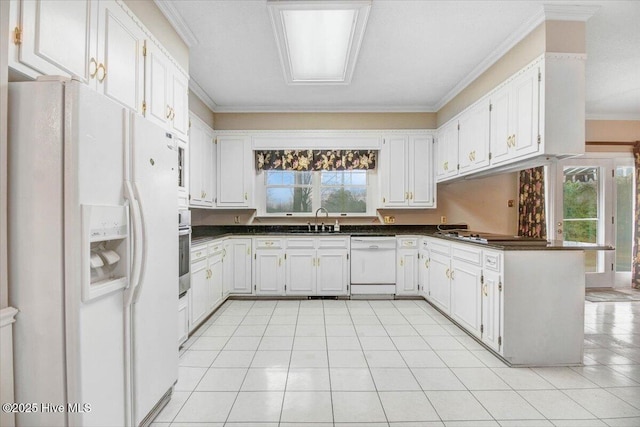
{"x":393,"y":363}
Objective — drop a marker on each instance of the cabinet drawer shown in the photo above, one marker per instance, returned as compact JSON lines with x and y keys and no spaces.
{"x":198,"y":252}
{"x":333,"y":242}
{"x":215,"y":247}
{"x":493,"y":261}
{"x":262,"y":243}
{"x":467,"y":253}
{"x":300,"y":243}
{"x":439,"y":246}
{"x":407,"y":242}
{"x":198,"y":265}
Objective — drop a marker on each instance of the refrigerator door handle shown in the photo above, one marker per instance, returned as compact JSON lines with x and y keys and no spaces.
{"x":143,"y":244}
{"x":137,"y":245}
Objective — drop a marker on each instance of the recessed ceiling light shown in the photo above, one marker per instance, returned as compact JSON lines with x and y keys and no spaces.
{"x":319,"y":41}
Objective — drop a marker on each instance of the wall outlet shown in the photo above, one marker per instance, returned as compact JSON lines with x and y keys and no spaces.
{"x":236,"y":219}
{"x":443,"y":219}
{"x":389,"y":219}
{"x":511,"y":203}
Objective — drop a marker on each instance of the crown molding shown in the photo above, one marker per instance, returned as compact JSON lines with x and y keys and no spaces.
{"x":548,"y":12}
{"x":504,"y":47}
{"x":200,"y":93}
{"x":177,"y":22}
{"x":568,"y":12}
{"x":335,"y":109}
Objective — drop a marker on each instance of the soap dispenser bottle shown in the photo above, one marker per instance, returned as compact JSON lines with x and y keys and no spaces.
{"x":336,"y":228}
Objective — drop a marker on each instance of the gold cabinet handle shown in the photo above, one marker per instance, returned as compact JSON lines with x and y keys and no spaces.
{"x":279,"y":262}
{"x":93,"y":65}
{"x":447,"y":274}
{"x":426,"y":263}
{"x":484,"y":290}
{"x":513,"y":140}
{"x":445,"y":166}
{"x":173,"y":114}
{"x":248,"y":251}
{"x":104,"y":72}
{"x":411,"y":195}
{"x":318,"y":262}
{"x":451,"y":275}
{"x":246,"y":196}
{"x":168,"y":115}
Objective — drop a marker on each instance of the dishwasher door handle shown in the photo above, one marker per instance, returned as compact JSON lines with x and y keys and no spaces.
{"x":374,"y":247}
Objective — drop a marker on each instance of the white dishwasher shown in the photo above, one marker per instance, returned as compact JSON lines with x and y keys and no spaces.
{"x":373,"y":265}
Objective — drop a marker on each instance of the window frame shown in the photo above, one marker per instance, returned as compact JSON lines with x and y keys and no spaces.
{"x":261,"y":197}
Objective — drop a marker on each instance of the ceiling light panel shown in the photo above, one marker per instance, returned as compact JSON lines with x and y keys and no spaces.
{"x":318,"y":41}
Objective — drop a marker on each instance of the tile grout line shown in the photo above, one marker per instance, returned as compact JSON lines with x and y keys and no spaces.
{"x":293,"y":343}
{"x":326,"y":343}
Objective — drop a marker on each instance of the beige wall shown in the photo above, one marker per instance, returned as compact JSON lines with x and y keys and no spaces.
{"x":199,"y":108}
{"x":612,"y":130}
{"x":480,"y":203}
{"x":154,"y":20}
{"x":550,"y":36}
{"x":296,"y":121}
{"x":532,"y":46}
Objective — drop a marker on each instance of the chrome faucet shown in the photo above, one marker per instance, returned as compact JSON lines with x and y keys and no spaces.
{"x":326,"y":215}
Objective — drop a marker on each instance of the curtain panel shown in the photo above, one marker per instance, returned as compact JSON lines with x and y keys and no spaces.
{"x":531,"y":206}
{"x":635,"y":267}
{"x":316,"y":160}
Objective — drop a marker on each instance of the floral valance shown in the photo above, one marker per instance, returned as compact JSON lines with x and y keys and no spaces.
{"x":315,"y":160}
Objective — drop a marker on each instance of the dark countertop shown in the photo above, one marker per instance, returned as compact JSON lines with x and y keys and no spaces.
{"x":204,"y":234}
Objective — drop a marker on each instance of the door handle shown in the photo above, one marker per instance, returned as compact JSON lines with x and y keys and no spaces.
{"x":484,"y":290}
{"x":93,"y":64}
{"x":104,"y":72}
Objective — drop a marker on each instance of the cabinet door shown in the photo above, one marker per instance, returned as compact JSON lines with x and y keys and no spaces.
{"x":180,"y":103}
{"x":499,"y":128}
{"x":407,"y":272}
{"x":396,"y":175}
{"x":216,"y":273}
{"x":239,"y":251}
{"x":423,"y":273}
{"x":156,"y":80}
{"x":196,"y":163}
{"x":420,"y":160}
{"x":465,"y":295}
{"x":120,"y":45}
{"x":440,"y":291}
{"x":234,"y":153}
{"x":491,"y":309}
{"x":525,"y":93}
{"x":183,"y":320}
{"x":269,"y":275}
{"x":300,"y":276}
{"x":447,"y":152}
{"x":199,"y":292}
{"x":332,"y":272}
{"x":473,"y":138}
{"x":228,"y":270}
{"x":207,"y":168}
{"x":57,"y":36}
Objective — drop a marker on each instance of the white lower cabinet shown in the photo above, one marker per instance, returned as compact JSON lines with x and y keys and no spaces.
{"x":438,"y":273}
{"x":465,"y":275}
{"x":237,"y":266}
{"x":492,"y":299}
{"x":183,"y":319}
{"x":206,"y":281}
{"x":268,"y":266}
{"x":423,"y":267}
{"x":407,"y":266}
{"x":317,"y":266}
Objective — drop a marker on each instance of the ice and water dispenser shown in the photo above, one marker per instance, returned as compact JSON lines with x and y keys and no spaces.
{"x":105,"y":249}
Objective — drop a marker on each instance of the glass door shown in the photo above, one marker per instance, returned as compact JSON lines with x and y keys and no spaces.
{"x":594,"y":204}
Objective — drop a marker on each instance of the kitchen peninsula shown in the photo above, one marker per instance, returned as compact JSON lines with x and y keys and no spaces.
{"x":523,"y":301}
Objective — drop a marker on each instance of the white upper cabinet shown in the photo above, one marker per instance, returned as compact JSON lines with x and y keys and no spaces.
{"x":53,"y":37}
{"x":515,"y":118}
{"x":120,"y":71}
{"x":201,"y":164}
{"x":166,"y":92}
{"x":473,"y":137}
{"x":407,"y":173}
{"x":447,"y":151}
{"x":235,"y":171}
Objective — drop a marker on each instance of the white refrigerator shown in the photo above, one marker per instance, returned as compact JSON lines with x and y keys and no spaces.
{"x":93,"y":257}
